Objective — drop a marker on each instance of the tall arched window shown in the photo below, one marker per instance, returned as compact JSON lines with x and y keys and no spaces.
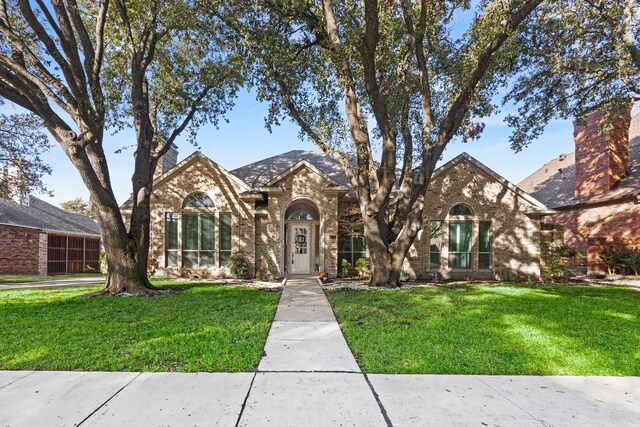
{"x":198,"y":231}
{"x":462,"y":225}
{"x":460,"y":237}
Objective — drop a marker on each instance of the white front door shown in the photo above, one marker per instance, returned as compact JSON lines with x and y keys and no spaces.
{"x":300,"y":253}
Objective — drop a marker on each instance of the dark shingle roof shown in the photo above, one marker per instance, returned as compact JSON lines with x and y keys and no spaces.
{"x":261,"y":172}
{"x":40,"y":214}
{"x":554,"y":183}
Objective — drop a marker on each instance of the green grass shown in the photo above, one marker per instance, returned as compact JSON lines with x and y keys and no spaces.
{"x":24,"y":278}
{"x":480,"y":329}
{"x":206,"y":327}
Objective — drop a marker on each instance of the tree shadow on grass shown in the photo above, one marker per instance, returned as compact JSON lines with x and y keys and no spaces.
{"x":557,"y":330}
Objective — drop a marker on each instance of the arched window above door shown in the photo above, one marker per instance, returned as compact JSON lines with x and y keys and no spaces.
{"x":198,"y":201}
{"x":301,"y":211}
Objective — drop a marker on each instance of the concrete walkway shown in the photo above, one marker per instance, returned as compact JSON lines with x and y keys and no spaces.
{"x":308,"y":377}
{"x":62,"y":283}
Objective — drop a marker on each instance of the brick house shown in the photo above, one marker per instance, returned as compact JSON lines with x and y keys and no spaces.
{"x":287,"y":212}
{"x":39,"y":238}
{"x":596,"y":189}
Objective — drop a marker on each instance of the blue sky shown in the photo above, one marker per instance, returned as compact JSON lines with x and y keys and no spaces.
{"x":244,"y":140}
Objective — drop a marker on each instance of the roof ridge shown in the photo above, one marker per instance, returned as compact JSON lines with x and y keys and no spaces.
{"x":275,"y":156}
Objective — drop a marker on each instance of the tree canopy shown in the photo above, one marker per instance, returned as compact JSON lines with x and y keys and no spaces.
{"x":580,"y":55}
{"x":76,"y":205}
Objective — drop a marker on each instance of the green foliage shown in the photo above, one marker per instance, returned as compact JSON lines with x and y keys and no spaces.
{"x":203,"y":328}
{"x":76,"y":205}
{"x":22,"y":143}
{"x":239,"y":264}
{"x":620,"y":259}
{"x":102,"y":262}
{"x":577,"y":55}
{"x":192,"y":69}
{"x":345,"y":268}
{"x":493,"y":330}
{"x":363,"y":267}
{"x":555,"y":268}
{"x":264,"y":275}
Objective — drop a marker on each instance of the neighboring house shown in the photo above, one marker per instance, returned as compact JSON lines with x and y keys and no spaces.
{"x":287,"y":213}
{"x":596,"y":189}
{"x":39,"y":238}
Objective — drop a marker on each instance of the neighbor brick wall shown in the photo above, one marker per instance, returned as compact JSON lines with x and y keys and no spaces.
{"x":22,"y":250}
{"x":601,"y":160}
{"x":613,"y":221}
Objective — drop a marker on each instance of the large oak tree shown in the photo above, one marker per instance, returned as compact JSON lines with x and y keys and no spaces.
{"x":382,"y":86}
{"x":69,"y":63}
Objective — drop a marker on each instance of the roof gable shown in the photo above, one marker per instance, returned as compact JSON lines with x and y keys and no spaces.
{"x":196,"y":156}
{"x":302,"y":164}
{"x":259,"y":173}
{"x":537,"y":206}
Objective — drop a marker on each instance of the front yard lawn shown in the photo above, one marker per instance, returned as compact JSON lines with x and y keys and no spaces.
{"x":481,"y":329}
{"x":206,"y":327}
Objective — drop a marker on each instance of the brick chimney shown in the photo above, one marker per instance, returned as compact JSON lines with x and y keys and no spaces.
{"x":14,"y":183}
{"x":601,"y":160}
{"x":166,"y":162}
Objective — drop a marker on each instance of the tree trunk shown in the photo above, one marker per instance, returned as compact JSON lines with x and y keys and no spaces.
{"x":123,"y":272}
{"x":380,"y":261}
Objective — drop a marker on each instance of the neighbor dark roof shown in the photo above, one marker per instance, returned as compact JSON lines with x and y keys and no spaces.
{"x":42,"y":215}
{"x":261,"y":172}
{"x":554,"y":183}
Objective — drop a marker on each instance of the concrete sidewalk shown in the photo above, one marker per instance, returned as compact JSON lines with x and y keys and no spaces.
{"x":63,"y":283}
{"x":308,"y":377}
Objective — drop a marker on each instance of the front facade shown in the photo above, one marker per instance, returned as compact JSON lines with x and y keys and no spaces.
{"x":289,"y":215}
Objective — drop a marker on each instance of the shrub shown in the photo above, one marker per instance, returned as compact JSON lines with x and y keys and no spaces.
{"x":363,"y":267}
{"x":238,"y":264}
{"x":102,"y":262}
{"x":264,"y":275}
{"x":556,"y":267}
{"x":345,"y":268}
{"x":619,"y":259}
{"x":152,"y":266}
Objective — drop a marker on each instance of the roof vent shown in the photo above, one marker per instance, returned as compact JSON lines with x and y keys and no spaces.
{"x":562,"y":157}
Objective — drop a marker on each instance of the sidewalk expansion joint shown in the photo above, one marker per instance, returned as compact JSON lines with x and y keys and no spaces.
{"x":515,"y":404}
{"x":17,"y":379}
{"x":380,"y":405}
{"x":246,"y":398}
{"x":108,"y":400}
